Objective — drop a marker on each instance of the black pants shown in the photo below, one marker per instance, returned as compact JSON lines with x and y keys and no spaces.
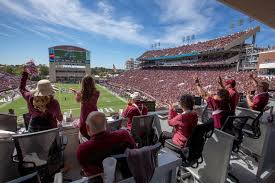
{"x":165,"y":135}
{"x":39,"y":124}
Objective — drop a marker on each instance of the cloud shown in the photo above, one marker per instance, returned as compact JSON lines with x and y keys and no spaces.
{"x":5,"y":35}
{"x":185,"y":17}
{"x":71,"y":14}
{"x":33,"y":30}
{"x":9,"y":27}
{"x":178,"y":18}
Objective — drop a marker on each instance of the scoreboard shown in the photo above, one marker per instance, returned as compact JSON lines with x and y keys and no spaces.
{"x":69,"y":56}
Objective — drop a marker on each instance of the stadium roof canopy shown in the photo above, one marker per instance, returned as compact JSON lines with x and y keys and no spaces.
{"x":261,"y":10}
{"x":174,"y":57}
{"x":68,"y":47}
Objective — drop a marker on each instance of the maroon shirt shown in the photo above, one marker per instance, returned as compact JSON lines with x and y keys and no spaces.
{"x":90,"y":154}
{"x":132,"y":110}
{"x":221,"y":110}
{"x":234,"y":98}
{"x":183,"y":126}
{"x":260,"y":101}
{"x":86,"y":109}
{"x":53,"y":112}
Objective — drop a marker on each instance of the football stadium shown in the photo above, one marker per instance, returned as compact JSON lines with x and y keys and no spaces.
{"x":201,"y":111}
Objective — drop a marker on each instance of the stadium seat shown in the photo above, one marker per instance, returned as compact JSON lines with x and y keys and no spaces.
{"x":39,"y":151}
{"x":30,"y":178}
{"x":8,"y":122}
{"x":191,"y":154}
{"x":252,"y":130}
{"x":236,"y":124}
{"x":143,"y":130}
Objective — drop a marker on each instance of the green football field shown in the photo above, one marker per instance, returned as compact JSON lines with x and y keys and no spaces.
{"x":107,"y":101}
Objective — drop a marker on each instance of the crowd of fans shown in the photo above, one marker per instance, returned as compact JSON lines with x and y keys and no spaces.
{"x":165,"y":85}
{"x":8,"y":81}
{"x":217,"y":43}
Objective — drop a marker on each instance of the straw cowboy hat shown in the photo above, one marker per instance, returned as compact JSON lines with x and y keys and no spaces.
{"x":44,"y":88}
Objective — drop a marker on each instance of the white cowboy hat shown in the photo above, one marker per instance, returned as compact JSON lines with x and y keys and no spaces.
{"x":44,"y":88}
{"x":135,"y":96}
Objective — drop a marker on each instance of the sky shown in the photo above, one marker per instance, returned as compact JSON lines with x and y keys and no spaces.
{"x":113,"y":30}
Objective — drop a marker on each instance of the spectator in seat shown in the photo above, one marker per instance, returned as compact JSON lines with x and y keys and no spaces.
{"x":102,"y":144}
{"x":229,"y":85}
{"x":219,"y":103}
{"x":259,"y":101}
{"x":43,"y":107}
{"x":134,"y":108}
{"x":183,"y":123}
{"x":87,"y":97}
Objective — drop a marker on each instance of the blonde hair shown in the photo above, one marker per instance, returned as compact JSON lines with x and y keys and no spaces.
{"x":40,"y":102}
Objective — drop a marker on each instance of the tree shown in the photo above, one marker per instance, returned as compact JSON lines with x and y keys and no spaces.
{"x":43,"y":70}
{"x":10,"y":69}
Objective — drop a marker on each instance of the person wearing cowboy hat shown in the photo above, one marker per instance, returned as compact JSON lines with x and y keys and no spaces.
{"x":43,"y":108}
{"x":134,"y":108}
{"x":229,"y":85}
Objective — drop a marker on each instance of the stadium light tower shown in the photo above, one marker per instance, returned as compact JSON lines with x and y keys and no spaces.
{"x":183,"y":39}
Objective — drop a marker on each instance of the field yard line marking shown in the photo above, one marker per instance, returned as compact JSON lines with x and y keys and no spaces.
{"x":3,"y":105}
{"x":72,"y":108}
{"x":111,"y":109}
{"x":107,"y":110}
{"x":112,"y":93}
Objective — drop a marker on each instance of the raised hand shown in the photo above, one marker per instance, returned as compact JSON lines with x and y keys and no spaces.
{"x":31,"y":68}
{"x":197,"y":81}
{"x":220,"y":80}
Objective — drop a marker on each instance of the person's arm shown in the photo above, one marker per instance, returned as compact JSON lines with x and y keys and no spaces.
{"x":22,"y":88}
{"x":128,"y":108}
{"x":174,"y":121}
{"x":201,"y":91}
{"x":220,"y":82}
{"x":249,"y":101}
{"x":253,"y":79}
{"x":58,"y":113}
{"x":173,"y":117}
{"x":77,"y":94}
